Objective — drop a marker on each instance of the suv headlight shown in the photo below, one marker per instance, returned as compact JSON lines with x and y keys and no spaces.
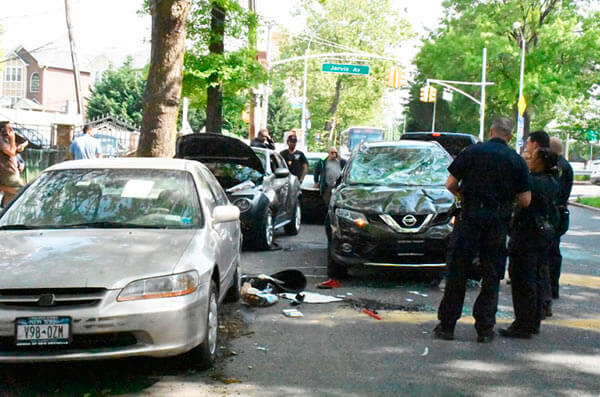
{"x":243,"y":204}
{"x":161,"y":287}
{"x":353,"y":216}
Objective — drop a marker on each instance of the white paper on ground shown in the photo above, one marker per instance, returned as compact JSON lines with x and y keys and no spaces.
{"x":311,"y":297}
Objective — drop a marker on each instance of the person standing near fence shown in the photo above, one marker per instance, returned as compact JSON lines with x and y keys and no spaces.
{"x":86,"y":146}
{"x":10,"y":179}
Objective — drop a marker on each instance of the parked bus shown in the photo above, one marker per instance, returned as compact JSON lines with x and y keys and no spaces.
{"x":353,"y":136}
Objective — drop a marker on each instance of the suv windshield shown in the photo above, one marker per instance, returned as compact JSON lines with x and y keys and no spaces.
{"x":452,"y":143}
{"x":399,"y":165}
{"x":107,"y":198}
{"x":230,"y":174}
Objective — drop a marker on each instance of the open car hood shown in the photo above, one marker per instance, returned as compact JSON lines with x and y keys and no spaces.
{"x":219,"y":148}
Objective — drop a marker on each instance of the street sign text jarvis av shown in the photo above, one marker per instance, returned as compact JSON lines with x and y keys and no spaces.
{"x":346,"y":69}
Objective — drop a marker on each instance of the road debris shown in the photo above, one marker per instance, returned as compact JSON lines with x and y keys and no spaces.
{"x":371,"y":313}
{"x":290,"y":280}
{"x":255,"y":297}
{"x":292,"y":313}
{"x":312,"y":297}
{"x":425,"y":352}
{"x":360,"y":303}
{"x":329,"y":284}
{"x":227,"y":381}
{"x":418,"y":293}
{"x":262,"y":348}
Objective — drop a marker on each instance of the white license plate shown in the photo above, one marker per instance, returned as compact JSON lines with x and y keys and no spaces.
{"x":41,"y":331}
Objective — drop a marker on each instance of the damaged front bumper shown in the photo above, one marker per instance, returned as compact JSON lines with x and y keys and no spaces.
{"x":376,"y":244}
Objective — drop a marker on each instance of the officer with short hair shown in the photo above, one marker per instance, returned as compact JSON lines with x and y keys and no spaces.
{"x":489,"y":177}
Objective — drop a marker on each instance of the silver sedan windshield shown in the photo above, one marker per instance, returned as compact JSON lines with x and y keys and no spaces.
{"x":146,"y":198}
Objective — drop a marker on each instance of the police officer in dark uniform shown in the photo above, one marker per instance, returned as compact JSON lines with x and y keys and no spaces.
{"x":532,"y":230}
{"x":489,"y":177}
{"x":565,"y":182}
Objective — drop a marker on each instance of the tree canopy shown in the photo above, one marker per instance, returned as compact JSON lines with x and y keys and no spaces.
{"x":371,"y":26}
{"x":237,"y":69}
{"x":562,"y":51}
{"x":118,"y":93}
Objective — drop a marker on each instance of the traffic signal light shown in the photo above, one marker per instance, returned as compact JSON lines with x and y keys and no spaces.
{"x":432,"y":94}
{"x":424,"y":96}
{"x":395,"y":77}
{"x":389,"y":78}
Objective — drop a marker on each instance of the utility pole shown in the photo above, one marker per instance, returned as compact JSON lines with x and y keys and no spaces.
{"x":252,"y":46}
{"x":74,"y":58}
{"x":305,"y":78}
{"x":267,"y":90}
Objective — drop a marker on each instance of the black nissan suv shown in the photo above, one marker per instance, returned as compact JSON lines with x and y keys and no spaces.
{"x":453,"y":142}
{"x":391,"y":208}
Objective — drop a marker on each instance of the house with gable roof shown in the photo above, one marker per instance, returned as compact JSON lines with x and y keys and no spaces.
{"x":44,"y":78}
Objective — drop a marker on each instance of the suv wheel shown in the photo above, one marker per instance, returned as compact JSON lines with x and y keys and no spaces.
{"x":293,"y":227}
{"x":264,"y":237}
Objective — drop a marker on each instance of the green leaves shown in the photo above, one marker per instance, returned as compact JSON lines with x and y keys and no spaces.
{"x":372,"y":26}
{"x":237,"y":69}
{"x":119,"y":93}
{"x":562,"y":55}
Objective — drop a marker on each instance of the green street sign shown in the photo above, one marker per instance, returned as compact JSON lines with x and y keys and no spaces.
{"x":345,"y":69}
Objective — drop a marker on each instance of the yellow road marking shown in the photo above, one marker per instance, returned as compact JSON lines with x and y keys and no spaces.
{"x":580,"y":280}
{"x":399,"y":316}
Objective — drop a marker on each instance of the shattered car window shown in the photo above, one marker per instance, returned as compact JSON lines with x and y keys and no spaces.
{"x":230,"y":174}
{"x":399,"y":165}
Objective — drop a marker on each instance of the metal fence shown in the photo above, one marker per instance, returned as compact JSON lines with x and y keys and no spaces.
{"x":37,"y":160}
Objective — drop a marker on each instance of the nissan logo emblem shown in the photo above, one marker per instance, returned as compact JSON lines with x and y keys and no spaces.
{"x":46,"y":300}
{"x":409,"y":220}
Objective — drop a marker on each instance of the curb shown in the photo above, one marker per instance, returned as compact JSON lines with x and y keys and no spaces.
{"x":589,"y":207}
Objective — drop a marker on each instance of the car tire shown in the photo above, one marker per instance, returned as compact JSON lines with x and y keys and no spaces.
{"x":293,"y":228}
{"x":233,"y":293}
{"x":264,"y":237}
{"x":335,"y":269}
{"x":203,"y":355}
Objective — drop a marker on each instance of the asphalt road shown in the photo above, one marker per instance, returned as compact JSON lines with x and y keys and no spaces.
{"x":335,"y":349}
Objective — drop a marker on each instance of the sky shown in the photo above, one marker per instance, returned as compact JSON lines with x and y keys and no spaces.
{"x":114,"y":26}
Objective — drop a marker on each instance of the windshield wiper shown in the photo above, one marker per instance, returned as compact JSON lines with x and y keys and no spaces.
{"x":364,"y":183}
{"x":111,"y":225}
{"x":18,"y":227}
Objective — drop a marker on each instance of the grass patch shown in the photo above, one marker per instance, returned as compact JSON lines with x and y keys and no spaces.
{"x":591,"y":201}
{"x":581,"y":178}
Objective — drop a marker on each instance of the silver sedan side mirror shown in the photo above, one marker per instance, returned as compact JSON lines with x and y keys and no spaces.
{"x":225,"y":213}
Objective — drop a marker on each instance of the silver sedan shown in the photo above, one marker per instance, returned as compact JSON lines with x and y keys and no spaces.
{"x":117,"y":257}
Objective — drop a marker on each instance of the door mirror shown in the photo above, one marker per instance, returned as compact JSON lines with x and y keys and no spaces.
{"x":281,"y":173}
{"x":225,"y":213}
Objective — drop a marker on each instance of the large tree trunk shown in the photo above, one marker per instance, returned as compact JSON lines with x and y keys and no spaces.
{"x":163,"y":88}
{"x":214,"y":92}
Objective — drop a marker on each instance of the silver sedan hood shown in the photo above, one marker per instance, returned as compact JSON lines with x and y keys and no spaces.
{"x":78,"y":258}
